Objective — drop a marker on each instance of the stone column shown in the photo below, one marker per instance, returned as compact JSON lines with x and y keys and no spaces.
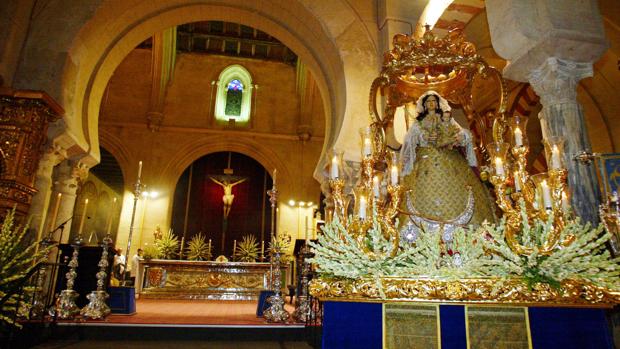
{"x":555,"y":81}
{"x":67,"y":176}
{"x":43,"y":184}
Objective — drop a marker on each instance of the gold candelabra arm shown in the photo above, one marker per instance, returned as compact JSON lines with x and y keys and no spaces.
{"x":337,"y":188}
{"x":504,"y":203}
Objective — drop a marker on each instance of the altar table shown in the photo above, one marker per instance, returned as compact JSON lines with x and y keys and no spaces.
{"x":177,"y":279}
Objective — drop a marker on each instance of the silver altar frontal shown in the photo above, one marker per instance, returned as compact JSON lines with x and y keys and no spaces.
{"x":178,"y":279}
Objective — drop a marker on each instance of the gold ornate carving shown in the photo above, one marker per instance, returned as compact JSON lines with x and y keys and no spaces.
{"x":24,"y":117}
{"x":495,"y":291}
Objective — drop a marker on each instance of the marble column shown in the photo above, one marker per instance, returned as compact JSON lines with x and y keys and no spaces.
{"x":555,"y":81}
{"x":43,"y":184}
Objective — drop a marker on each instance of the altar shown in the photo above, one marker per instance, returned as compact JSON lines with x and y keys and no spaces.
{"x":179,"y":279}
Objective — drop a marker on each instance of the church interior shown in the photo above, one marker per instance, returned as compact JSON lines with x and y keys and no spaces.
{"x":310,"y":173}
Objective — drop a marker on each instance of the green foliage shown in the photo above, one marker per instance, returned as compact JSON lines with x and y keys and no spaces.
{"x":198,"y":249}
{"x":247,"y":249}
{"x":151,"y":252}
{"x":168,"y":245}
{"x":282,"y":244}
{"x":17,"y":258}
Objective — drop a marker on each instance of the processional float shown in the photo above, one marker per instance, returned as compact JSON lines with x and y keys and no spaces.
{"x":538,"y":253}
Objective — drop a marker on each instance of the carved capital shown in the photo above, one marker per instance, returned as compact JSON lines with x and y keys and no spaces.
{"x":555,"y":81}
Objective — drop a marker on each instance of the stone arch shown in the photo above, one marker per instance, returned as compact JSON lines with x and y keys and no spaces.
{"x":116,"y":28}
{"x":201,"y":147}
{"x":118,"y":149}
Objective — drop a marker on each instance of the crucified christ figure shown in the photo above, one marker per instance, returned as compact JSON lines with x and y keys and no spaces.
{"x":228,"y":196}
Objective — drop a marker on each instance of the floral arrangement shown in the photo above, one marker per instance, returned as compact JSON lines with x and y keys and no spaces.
{"x":473,"y":253}
{"x":168,"y":245}
{"x":247,"y":249}
{"x":198,"y":249}
{"x":17,"y":258}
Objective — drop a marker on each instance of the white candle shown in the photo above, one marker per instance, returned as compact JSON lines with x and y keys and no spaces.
{"x":517,"y":181}
{"x":83,"y":216}
{"x":546,"y":194}
{"x":306,"y":228}
{"x":394,"y":175}
{"x":334,"y":168}
{"x":375,"y":187}
{"x":565,"y":203}
{"x":262,"y":247}
{"x":518,"y":137}
{"x":139,"y":169}
{"x":555,"y":158}
{"x":234,"y":246}
{"x":109,"y":227}
{"x":275,"y":172}
{"x":362,"y":207}
{"x":209,"y":244}
{"x":367,"y":146}
{"x":499,"y":167}
{"x":55,"y":213}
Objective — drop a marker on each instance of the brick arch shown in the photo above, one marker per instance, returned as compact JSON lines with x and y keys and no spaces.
{"x":117,"y":28}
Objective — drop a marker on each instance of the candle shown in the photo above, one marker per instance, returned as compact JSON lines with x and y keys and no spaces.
{"x":109,"y":226}
{"x":334,"y":168}
{"x":555,"y":158}
{"x":518,"y":137}
{"x":209,"y":244}
{"x":262,"y":248}
{"x":367,"y":146}
{"x":517,"y":181}
{"x":394,"y":175}
{"x":306,"y":229}
{"x":375,"y":187}
{"x":546,"y":194}
{"x":275,"y":172}
{"x":565,"y":204}
{"x":234,"y":246}
{"x":499,"y":167}
{"x":139,"y":170}
{"x":55,"y":213}
{"x":83,"y":216}
{"x":362,"y":207}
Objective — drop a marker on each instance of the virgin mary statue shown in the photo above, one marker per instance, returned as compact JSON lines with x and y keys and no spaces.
{"x":442,"y":189}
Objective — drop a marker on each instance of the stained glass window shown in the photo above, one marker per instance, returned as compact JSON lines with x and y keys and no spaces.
{"x":235,"y":85}
{"x":234,"y":95}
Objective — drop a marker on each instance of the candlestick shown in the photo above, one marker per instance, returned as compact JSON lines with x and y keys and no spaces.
{"x":362,"y":208}
{"x":139,"y":170}
{"x":334,"y":168}
{"x":518,"y":137}
{"x":546,"y":194}
{"x":83,"y":216}
{"x":394,"y":175}
{"x":55,"y":213}
{"x":555,"y":158}
{"x":499,"y":167}
{"x":517,"y":176}
{"x":275,"y":172}
{"x":375,"y":187}
{"x":367,"y":146}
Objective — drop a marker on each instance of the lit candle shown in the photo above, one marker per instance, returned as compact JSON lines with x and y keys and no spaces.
{"x":555,"y":158}
{"x":55,"y":213}
{"x":307,"y":229}
{"x":362,"y":208}
{"x":394,"y":175}
{"x":109,"y":226}
{"x":499,"y":167}
{"x":334,"y":168}
{"x":375,"y":187}
{"x":83,"y":216}
{"x":546,"y":194}
{"x":262,"y":248}
{"x":209,"y":244}
{"x":518,"y":137}
{"x":139,"y":170}
{"x":517,"y":181}
{"x":234,"y":246}
{"x":275,"y":172}
{"x":367,"y":146}
{"x":565,"y":204}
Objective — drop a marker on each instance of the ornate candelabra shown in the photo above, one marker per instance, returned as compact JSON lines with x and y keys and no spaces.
{"x":543,"y":195}
{"x":39,"y":304}
{"x":303,"y":311}
{"x":66,"y":307}
{"x":96,"y":307}
{"x":276,"y":311}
